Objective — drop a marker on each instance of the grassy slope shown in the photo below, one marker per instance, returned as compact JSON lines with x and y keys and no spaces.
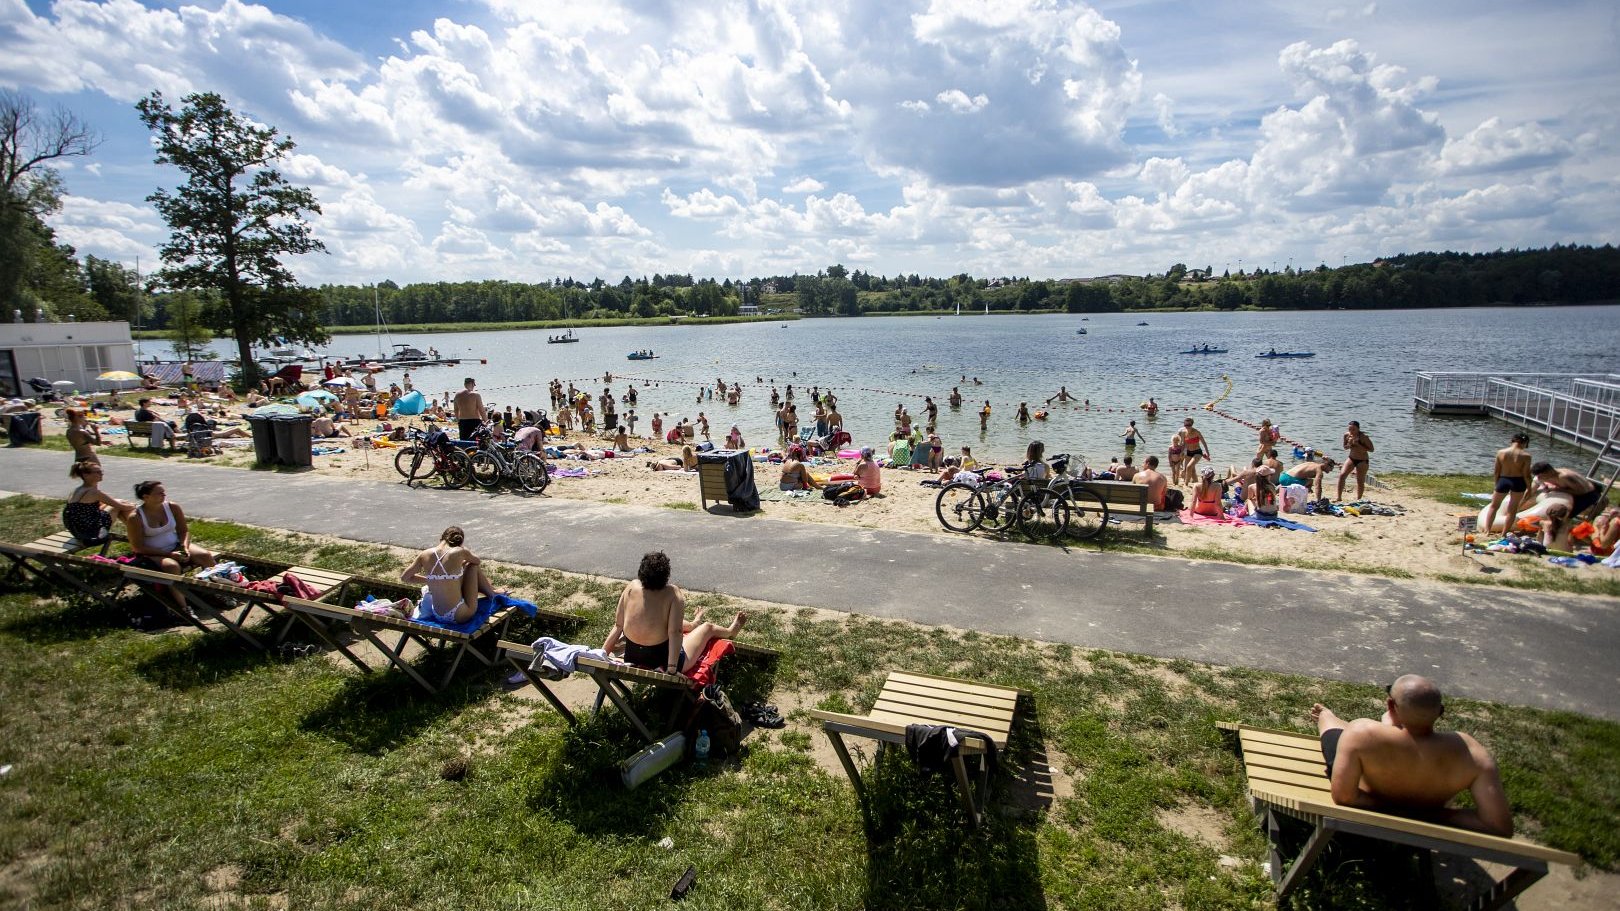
{"x":152,"y":770}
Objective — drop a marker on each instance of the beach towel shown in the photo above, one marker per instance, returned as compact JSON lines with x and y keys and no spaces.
{"x":486,"y":607}
{"x":703,"y":672}
{"x":1277,"y":523}
{"x":1188,"y":517}
{"x":570,"y":473}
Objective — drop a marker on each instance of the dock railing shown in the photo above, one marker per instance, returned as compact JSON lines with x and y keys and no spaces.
{"x":1578,"y":408}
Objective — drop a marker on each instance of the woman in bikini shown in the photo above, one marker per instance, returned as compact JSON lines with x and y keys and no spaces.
{"x":1207,"y":495}
{"x":651,"y":622}
{"x":86,"y":515}
{"x":795,"y":476}
{"x":1360,"y":447}
{"x":82,"y":435}
{"x":687,"y":462}
{"x":452,"y":577}
{"x":1194,"y":448}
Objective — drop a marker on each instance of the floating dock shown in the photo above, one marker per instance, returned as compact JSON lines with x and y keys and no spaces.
{"x":1582,"y":409}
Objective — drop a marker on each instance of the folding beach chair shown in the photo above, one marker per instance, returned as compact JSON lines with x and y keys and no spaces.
{"x":981,"y":712}
{"x":1286,"y":778}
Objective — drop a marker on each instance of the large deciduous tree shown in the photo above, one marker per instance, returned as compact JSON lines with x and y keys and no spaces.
{"x":30,"y":189}
{"x":232,"y":221}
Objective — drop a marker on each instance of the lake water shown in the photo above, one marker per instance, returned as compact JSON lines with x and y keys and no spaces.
{"x":1363,"y":370}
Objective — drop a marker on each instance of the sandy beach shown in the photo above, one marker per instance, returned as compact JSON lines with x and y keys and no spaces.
{"x":1422,"y":540}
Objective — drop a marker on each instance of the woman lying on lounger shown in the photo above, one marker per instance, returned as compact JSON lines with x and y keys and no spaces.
{"x":452,"y":577}
{"x":651,"y":622}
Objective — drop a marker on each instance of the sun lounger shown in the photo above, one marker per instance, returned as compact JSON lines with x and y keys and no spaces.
{"x":326,"y":616}
{"x":1285,"y":778}
{"x":981,"y":711}
{"x":222,"y":598}
{"x":60,"y":557}
{"x":613,"y":681}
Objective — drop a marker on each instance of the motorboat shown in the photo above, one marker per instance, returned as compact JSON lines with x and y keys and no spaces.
{"x":640,"y":356}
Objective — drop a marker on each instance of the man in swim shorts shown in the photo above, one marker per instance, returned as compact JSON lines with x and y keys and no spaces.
{"x":1360,"y":447}
{"x":469,"y":409}
{"x":1309,"y":474}
{"x":1585,"y":491}
{"x":1512,"y":481}
{"x":1402,"y":764}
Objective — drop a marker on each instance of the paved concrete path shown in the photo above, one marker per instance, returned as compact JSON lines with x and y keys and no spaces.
{"x":1552,"y":651}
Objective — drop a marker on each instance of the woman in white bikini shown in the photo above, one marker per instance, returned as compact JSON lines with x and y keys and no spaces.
{"x":452,"y":577}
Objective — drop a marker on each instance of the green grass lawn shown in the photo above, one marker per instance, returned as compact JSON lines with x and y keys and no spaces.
{"x":173,"y":770}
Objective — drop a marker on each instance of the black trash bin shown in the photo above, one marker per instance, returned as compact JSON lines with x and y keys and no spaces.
{"x":264,"y":439}
{"x":22,"y":428}
{"x":739,"y":467}
{"x":293,"y":440}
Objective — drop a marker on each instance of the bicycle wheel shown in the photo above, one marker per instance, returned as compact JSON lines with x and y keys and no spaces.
{"x":957,"y":507}
{"x":1088,"y":512}
{"x":455,"y":469}
{"x":404,"y":458}
{"x":421,"y":467}
{"x":486,"y":469}
{"x":1043,"y":515}
{"x":532,"y":473}
{"x":998,"y":508}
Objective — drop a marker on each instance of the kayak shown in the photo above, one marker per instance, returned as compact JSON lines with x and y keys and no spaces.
{"x":1288,"y":354}
{"x":1204,"y":351}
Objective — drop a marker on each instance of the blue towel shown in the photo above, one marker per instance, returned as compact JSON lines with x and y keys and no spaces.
{"x":1280,"y":523}
{"x":486,"y":607}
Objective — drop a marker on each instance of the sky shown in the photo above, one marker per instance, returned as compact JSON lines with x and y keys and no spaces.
{"x":533,"y":139}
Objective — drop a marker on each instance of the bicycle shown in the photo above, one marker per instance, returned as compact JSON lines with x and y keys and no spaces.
{"x":1081,"y":511}
{"x":433,"y":455}
{"x":495,"y":462}
{"x":965,"y":507}
{"x":1042,"y":512}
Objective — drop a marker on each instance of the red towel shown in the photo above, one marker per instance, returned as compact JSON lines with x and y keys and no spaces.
{"x":703,"y":673}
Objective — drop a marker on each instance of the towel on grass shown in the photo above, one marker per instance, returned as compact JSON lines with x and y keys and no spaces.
{"x":1188,"y":517}
{"x":486,"y":607}
{"x":1278,"y":523}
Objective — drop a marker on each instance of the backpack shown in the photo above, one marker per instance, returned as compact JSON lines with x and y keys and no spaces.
{"x":715,"y":714}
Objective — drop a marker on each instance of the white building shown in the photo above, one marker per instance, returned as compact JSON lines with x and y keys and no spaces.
{"x":77,"y":352}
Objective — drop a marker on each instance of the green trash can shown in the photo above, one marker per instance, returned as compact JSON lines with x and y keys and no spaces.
{"x":293,"y":439}
{"x":264,"y":439}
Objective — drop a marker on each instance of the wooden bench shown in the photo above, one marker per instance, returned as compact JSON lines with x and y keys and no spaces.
{"x":1124,"y":497}
{"x":232,"y":605}
{"x":58,"y":557}
{"x":712,"y":483}
{"x":134,"y":429}
{"x":980,"y":710}
{"x":612,"y":681}
{"x":1286,"y":778}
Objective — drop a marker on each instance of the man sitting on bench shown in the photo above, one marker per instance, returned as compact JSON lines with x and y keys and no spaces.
{"x":651,"y":622}
{"x":162,"y":431}
{"x":1402,"y":765}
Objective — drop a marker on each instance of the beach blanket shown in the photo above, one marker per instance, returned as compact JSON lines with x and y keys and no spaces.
{"x":486,"y":607}
{"x":1188,"y":517}
{"x":570,"y":473}
{"x":1277,"y":523}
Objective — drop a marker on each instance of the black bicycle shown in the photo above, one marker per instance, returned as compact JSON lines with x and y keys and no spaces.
{"x":429,"y":455}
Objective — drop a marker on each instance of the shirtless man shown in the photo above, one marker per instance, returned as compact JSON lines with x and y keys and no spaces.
{"x":1061,"y":396}
{"x":469,"y":409}
{"x":1126,"y":471}
{"x":1245,"y":476}
{"x":1571,"y":482}
{"x":1156,"y":483}
{"x":1132,"y":436}
{"x":1309,"y":474}
{"x":1402,"y":764}
{"x":651,"y":622}
{"x":956,"y":397}
{"x":1512,"y":481}
{"x":1360,"y":447}
{"x":835,"y":421}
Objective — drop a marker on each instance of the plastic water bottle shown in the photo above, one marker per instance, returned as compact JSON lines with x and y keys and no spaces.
{"x":700,"y":750}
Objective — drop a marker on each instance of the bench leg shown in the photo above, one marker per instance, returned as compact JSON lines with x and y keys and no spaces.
{"x":621,"y":701}
{"x":854,"y":774}
{"x":964,"y":789}
{"x":323,"y":631}
{"x":540,"y":684}
{"x":396,"y":656}
{"x":1304,"y":862}
{"x":1510,"y":887}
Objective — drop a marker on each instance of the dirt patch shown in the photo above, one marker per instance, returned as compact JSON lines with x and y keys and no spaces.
{"x":18,"y":878}
{"x":1202,"y":824}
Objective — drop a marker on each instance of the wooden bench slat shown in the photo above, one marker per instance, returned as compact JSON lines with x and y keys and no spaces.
{"x":900,"y":703}
{"x":952,"y":684}
{"x":1306,"y":752}
{"x":940,"y":718}
{"x":1007,"y":701}
{"x":1314,"y":781}
{"x":986,"y":708}
{"x":1287,"y":764}
{"x":339,"y":612}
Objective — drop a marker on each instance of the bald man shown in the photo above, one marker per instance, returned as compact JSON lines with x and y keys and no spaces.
{"x":1402,"y":764}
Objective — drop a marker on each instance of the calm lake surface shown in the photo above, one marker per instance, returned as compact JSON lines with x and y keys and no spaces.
{"x":1363,"y":370}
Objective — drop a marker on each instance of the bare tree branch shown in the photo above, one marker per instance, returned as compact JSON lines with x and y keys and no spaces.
{"x":27,"y":140}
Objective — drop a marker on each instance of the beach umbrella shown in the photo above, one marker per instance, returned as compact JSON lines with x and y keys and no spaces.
{"x":341,"y":381}
{"x":314,"y":397}
{"x":120,"y":377}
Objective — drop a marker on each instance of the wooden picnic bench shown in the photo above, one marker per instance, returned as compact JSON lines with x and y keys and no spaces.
{"x":133,"y":429}
{"x":980,"y":712}
{"x":1123,"y":497}
{"x":1286,"y":777}
{"x":231,"y":605}
{"x":59,"y":557}
{"x":613,"y":680}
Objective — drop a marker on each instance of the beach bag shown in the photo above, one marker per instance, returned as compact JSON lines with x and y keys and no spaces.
{"x":843,"y":490}
{"x":714,"y":713}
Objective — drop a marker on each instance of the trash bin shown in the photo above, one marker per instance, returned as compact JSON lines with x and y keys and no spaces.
{"x":264,"y":439}
{"x":739,"y":469}
{"x":293,"y":441}
{"x":22,"y":428}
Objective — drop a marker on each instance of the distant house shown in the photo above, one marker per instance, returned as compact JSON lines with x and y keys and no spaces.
{"x":76,"y":352}
{"x":748,"y":310}
{"x":768,"y":288}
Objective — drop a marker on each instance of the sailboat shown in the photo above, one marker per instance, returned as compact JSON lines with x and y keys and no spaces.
{"x":567,"y":336}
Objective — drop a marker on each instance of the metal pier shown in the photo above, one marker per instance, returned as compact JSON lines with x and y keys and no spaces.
{"x":1582,"y":409}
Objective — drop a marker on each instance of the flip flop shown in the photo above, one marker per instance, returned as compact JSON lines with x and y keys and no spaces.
{"x":765,"y":716}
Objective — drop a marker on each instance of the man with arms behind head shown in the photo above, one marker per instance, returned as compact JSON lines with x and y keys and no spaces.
{"x":1402,"y":764}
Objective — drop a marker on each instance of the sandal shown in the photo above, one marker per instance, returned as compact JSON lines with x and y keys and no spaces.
{"x":765,"y":716}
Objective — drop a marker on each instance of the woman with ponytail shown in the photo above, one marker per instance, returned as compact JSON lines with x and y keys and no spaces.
{"x":451,"y":577}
